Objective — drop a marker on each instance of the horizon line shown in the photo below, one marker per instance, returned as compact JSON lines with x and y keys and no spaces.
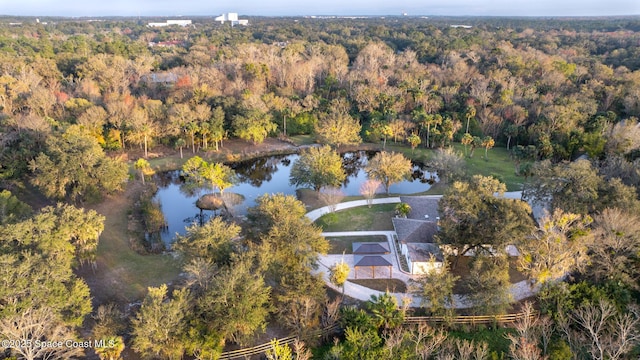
{"x":326,"y":15}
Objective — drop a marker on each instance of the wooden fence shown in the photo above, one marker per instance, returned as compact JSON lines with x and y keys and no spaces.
{"x":411,"y":320}
{"x":263,"y":348}
{"x":469,"y":320}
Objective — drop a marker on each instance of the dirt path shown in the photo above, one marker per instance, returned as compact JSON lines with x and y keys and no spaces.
{"x":122,"y":275}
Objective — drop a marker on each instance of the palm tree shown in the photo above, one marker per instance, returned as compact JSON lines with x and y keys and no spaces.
{"x":180,"y":143}
{"x":192,"y":128}
{"x":413,"y":140}
{"x":144,"y":168}
{"x":471,"y":113}
{"x":487,"y":143}
{"x":111,"y":349}
{"x":385,"y":311}
{"x":403,"y":209}
{"x":466,"y":140}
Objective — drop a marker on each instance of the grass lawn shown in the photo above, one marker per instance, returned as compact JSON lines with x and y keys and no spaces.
{"x":122,"y":275}
{"x":302,"y":139}
{"x":499,"y":163}
{"x":393,"y":285}
{"x":343,"y":244}
{"x":362,"y":218}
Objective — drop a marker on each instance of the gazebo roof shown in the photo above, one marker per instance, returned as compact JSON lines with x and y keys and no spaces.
{"x":371,"y":248}
{"x":373,"y":260}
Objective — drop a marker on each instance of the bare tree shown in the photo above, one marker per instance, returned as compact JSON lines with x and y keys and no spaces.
{"x":27,"y":331}
{"x":331,"y":196}
{"x":393,"y":340}
{"x":463,"y":350}
{"x":301,"y":350}
{"x":330,"y":314}
{"x":546,"y":333}
{"x":623,"y":137}
{"x":426,"y":340}
{"x":368,"y":189}
{"x":524,"y":343}
{"x":449,"y":164}
{"x":603,"y":331}
{"x":615,"y":246}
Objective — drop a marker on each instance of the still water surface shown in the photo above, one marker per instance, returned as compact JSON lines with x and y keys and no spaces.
{"x":268,"y":175}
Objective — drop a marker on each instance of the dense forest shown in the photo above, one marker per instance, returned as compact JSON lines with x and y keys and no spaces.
{"x":80,"y":100}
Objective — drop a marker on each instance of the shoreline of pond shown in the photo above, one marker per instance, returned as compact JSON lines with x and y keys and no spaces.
{"x":235,"y":151}
{"x":271,"y":174}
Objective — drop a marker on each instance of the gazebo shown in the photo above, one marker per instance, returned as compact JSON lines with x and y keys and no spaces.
{"x":373,"y":261}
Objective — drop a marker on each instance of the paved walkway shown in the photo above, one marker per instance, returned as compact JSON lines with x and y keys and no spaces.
{"x":519,"y":291}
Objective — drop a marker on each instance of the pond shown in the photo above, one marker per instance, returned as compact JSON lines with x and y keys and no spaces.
{"x":267,"y":175}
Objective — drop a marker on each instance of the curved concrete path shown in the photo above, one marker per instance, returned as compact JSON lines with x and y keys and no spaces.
{"x":314,"y":215}
{"x":519,"y":291}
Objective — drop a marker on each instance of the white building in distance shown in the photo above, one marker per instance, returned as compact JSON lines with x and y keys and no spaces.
{"x":171,"y":22}
{"x":232,"y":18}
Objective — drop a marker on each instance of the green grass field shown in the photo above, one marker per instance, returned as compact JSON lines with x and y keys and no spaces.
{"x":344,"y":244}
{"x":362,"y":218}
{"x":497,"y":164}
{"x":392,"y":285}
{"x":123,"y":274}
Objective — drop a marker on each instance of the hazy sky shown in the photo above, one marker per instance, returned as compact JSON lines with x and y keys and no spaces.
{"x":320,"y":7}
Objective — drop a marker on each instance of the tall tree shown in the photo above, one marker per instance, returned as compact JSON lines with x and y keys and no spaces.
{"x":212,"y":241}
{"x":615,"y":247}
{"x":181,"y":121}
{"x":24,"y":334}
{"x":414,"y":141}
{"x":160,"y":325}
{"x":603,"y":331}
{"x":337,"y":127}
{"x":487,"y":143}
{"x":75,"y":167}
{"x":11,"y":209}
{"x":511,"y":131}
{"x":449,"y":164}
{"x":202,"y":117}
{"x":215,"y":127}
{"x":43,"y":250}
{"x":237,"y":302}
{"x":318,"y":167}
{"x":368,"y":189}
{"x":388,"y":168}
{"x":466,"y":140}
{"x":473,"y":218}
{"x":290,"y":243}
{"x":340,"y":274}
{"x":254,"y":125}
{"x":144,"y":168}
{"x":199,"y":173}
{"x":488,"y":284}
{"x":572,"y":187}
{"x":435,"y":289}
{"x":557,"y":247}
{"x":143,"y":128}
